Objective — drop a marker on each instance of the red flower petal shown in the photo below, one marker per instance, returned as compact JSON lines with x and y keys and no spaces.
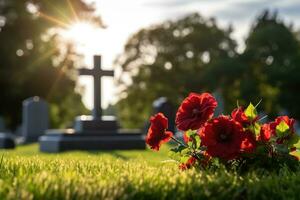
{"x":239,"y":115}
{"x":157,"y":133}
{"x":225,"y":138}
{"x":195,"y":110}
{"x":269,"y":130}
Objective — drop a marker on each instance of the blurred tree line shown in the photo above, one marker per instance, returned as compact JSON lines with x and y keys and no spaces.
{"x":35,"y":61}
{"x":193,"y":54}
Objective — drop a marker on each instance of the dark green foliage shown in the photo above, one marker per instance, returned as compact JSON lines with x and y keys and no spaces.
{"x":271,"y":57}
{"x":34,"y":60}
{"x":170,"y":60}
{"x":267,"y":69}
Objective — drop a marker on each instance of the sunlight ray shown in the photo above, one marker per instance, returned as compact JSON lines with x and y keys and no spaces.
{"x":42,"y":58}
{"x":55,"y":83}
{"x":54,"y":20}
{"x":73,"y":10}
{"x":59,"y":11}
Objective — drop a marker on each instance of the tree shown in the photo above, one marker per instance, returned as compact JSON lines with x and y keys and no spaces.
{"x":35,"y":61}
{"x":273,"y":69}
{"x":170,"y":59}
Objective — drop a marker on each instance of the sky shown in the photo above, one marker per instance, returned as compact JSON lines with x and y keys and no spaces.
{"x":124,"y":17}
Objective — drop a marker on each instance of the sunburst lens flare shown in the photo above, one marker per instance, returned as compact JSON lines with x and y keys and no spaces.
{"x":80,"y":33}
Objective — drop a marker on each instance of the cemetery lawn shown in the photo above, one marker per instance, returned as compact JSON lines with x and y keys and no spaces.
{"x":28,"y":174}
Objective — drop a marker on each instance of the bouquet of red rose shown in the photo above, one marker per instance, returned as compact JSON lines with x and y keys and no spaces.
{"x":236,"y":140}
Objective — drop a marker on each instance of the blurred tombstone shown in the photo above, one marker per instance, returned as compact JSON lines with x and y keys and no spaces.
{"x":35,"y":119}
{"x":2,"y":125}
{"x":220,"y":108}
{"x":7,"y":141}
{"x":297,"y":128}
{"x":164,"y":106}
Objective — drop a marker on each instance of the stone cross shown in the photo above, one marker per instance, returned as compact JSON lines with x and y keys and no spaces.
{"x":97,"y":73}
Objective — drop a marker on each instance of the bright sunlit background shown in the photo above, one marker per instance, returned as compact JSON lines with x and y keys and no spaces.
{"x":123,"y":18}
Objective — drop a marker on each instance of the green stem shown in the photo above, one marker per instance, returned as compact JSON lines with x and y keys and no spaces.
{"x":193,"y":153}
{"x":179,"y":142}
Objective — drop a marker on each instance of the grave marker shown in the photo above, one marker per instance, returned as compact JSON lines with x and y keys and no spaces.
{"x":2,"y":125}
{"x":35,"y":119}
{"x":6,"y":139}
{"x":164,"y":106}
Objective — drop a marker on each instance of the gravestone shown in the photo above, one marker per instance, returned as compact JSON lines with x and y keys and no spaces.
{"x":35,"y":119}
{"x":6,"y":139}
{"x":2,"y":125}
{"x":219,"y":98}
{"x":95,"y":132}
{"x":164,"y":106}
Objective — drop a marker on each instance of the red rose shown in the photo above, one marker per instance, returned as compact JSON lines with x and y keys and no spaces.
{"x":249,"y":143}
{"x":195,"y":110}
{"x":157,"y":133}
{"x":225,"y":138}
{"x":239,"y":115}
{"x":268,"y":130}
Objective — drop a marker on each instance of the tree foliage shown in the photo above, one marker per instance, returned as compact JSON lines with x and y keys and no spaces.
{"x":273,"y":68}
{"x":35,"y":61}
{"x":193,"y":54}
{"x":171,"y":60}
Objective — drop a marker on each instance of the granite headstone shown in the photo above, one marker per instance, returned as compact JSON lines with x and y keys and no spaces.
{"x":6,"y":139}
{"x":163,"y":105}
{"x":219,"y":98}
{"x":2,"y":125}
{"x":35,"y":119}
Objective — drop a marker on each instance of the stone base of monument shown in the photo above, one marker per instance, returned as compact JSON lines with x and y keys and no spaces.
{"x":65,"y":140}
{"x":105,"y":123}
{"x":7,"y":141}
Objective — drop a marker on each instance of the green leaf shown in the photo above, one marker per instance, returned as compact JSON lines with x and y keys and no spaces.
{"x":190,"y":144}
{"x":178,"y":148}
{"x":281,"y":148}
{"x":198,"y":141}
{"x":251,"y":112}
{"x":190,"y":133}
{"x":185,"y":151}
{"x":184,"y":159}
{"x":282,"y":129}
{"x":255,"y":128}
{"x":174,"y":156}
{"x":261,"y":149}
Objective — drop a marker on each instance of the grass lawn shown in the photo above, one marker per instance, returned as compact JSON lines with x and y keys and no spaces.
{"x":27,"y":174}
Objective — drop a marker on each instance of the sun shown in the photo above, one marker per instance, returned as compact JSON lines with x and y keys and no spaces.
{"x":81,"y":33}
